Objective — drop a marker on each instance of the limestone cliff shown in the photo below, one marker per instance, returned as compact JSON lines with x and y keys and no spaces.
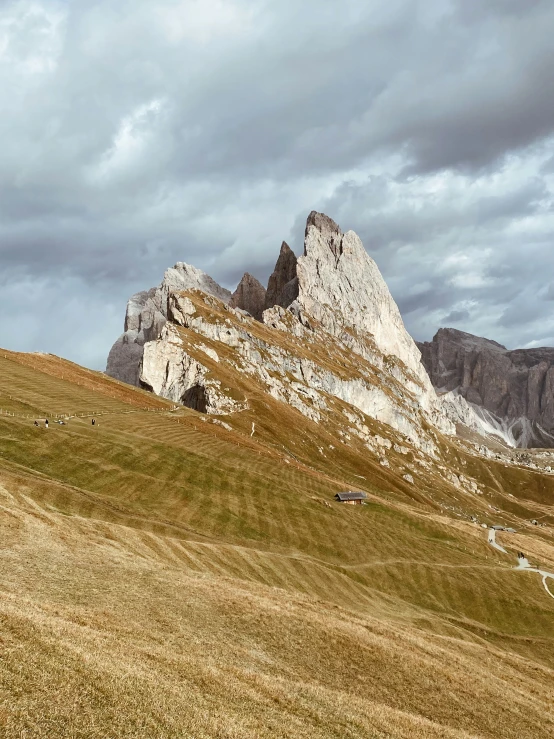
{"x":340,"y":286}
{"x":146,"y":316}
{"x":333,"y":331}
{"x":512,"y":392}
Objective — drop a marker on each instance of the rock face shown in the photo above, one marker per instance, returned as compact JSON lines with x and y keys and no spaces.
{"x":340,"y":285}
{"x":174,"y":374}
{"x":282,"y":287}
{"x":146,"y":316}
{"x":330,"y":333}
{"x":305,"y":369}
{"x":510,"y":391}
{"x":250,"y":296}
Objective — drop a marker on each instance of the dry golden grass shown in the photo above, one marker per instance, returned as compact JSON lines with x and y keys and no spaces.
{"x":46,"y":384}
{"x":161,"y":576}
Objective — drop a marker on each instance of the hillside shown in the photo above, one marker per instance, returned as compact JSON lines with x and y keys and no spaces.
{"x":166,"y":573}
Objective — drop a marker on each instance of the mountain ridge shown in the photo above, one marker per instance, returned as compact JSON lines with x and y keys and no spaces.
{"x":511,"y":390}
{"x":333,"y":296}
{"x":335,"y":290}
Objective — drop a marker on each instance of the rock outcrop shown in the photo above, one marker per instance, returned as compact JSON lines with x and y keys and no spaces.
{"x":282,"y":287}
{"x":146,"y":316}
{"x":250,"y":296}
{"x":338,"y":334}
{"x":211,"y":357}
{"x":511,"y":392}
{"x":340,"y":286}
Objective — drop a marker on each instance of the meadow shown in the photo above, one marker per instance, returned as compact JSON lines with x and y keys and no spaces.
{"x":164,"y":576}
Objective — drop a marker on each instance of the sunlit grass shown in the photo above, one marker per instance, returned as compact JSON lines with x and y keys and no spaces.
{"x":161,"y":576}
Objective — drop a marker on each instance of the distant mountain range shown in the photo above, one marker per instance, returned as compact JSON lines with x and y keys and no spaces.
{"x":511,"y":391}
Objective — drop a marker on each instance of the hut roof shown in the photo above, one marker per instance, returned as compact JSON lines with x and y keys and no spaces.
{"x":350,"y":496}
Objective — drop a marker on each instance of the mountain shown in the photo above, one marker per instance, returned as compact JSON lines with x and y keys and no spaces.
{"x":184,"y":567}
{"x":333,"y":334}
{"x":511,"y":392}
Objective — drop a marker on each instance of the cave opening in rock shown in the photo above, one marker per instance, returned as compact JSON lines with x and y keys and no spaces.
{"x":195,"y":398}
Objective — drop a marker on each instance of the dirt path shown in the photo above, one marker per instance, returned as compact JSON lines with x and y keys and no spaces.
{"x":492,"y":541}
{"x":523,"y":563}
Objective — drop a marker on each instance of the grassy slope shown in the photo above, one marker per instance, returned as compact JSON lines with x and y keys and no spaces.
{"x":163,"y":576}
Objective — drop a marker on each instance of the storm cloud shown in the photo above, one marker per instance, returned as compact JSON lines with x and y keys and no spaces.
{"x":138,"y":134}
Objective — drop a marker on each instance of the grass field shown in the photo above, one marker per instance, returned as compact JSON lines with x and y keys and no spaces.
{"x":162,"y":576}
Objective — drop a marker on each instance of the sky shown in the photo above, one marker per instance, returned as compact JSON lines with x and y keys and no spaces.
{"x":138,"y":133}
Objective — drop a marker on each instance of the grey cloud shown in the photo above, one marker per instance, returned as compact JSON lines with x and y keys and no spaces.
{"x":475,"y":251}
{"x":395,"y":220}
{"x":472,"y":11}
{"x":456,"y":316}
{"x":431,"y":299}
{"x":137,"y":134}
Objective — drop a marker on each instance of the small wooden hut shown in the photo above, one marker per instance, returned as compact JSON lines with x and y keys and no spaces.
{"x":351,"y":498}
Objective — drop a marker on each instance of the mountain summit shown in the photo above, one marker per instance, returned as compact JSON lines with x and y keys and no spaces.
{"x":335,"y":297}
{"x":341,"y":286}
{"x":190,"y":341}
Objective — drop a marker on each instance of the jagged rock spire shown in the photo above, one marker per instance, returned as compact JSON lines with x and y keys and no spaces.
{"x":250,"y":296}
{"x":329,"y":230}
{"x":340,"y":285}
{"x":282,"y":287}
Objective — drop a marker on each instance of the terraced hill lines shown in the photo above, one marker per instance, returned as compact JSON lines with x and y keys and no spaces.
{"x":173,"y":578}
{"x":270,"y":648}
{"x":45,"y":384}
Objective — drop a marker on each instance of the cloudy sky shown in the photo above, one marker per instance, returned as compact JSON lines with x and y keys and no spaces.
{"x":138,"y":133}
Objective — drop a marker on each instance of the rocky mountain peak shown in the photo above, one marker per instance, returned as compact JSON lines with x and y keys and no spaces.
{"x":186,"y":277}
{"x":469,"y":341}
{"x":282,"y":287}
{"x":330,"y":232}
{"x":146,"y":315}
{"x":340,"y":285}
{"x":249,"y":296}
{"x":332,"y":297}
